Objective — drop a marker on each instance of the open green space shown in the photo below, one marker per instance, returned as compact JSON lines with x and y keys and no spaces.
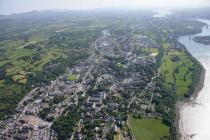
{"x":177,"y":70}
{"x":72,"y":77}
{"x":153,"y":52}
{"x":165,"y":45}
{"x":148,"y":128}
{"x":148,"y":52}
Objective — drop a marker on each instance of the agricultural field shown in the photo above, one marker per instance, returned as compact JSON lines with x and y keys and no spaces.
{"x":148,"y":128}
{"x":36,"y":52}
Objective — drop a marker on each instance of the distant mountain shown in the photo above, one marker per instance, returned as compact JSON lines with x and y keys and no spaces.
{"x":37,"y":15}
{"x":55,"y":14}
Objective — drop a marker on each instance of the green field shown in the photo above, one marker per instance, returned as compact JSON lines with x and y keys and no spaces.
{"x":153,"y":52}
{"x":176,"y":70}
{"x":148,"y":52}
{"x":165,"y":45}
{"x":148,"y":128}
{"x":72,"y":77}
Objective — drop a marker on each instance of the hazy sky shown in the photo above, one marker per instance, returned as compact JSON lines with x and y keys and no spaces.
{"x":17,"y":6}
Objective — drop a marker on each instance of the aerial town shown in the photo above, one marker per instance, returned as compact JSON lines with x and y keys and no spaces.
{"x":95,"y":78}
{"x":113,"y":72}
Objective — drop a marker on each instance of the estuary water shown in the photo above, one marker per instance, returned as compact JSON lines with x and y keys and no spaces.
{"x":194,"y":123}
{"x":161,"y":13}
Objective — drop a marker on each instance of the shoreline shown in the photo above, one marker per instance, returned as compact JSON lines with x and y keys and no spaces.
{"x":190,"y":100}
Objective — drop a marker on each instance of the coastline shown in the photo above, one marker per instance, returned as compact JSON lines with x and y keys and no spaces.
{"x":189,"y":100}
{"x":193,"y":112}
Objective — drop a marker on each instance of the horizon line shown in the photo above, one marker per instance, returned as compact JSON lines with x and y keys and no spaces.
{"x":152,"y":9}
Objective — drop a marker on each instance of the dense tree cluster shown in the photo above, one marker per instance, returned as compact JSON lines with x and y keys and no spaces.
{"x":64,"y":125}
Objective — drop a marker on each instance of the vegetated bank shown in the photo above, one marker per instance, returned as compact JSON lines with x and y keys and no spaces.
{"x":178,"y":81}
